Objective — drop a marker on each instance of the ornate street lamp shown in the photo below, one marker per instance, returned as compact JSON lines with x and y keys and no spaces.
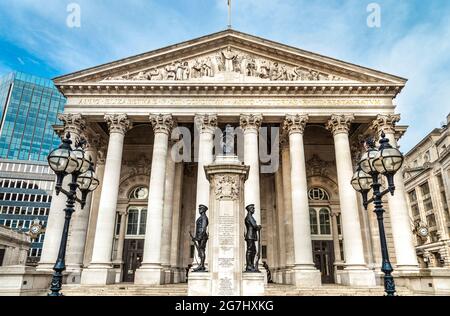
{"x":64,"y":161}
{"x":386,"y":161}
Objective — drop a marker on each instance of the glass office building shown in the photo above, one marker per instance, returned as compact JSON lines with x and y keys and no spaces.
{"x":29,"y":106}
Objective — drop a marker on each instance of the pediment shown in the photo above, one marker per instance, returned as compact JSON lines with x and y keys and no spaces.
{"x":229,"y":57}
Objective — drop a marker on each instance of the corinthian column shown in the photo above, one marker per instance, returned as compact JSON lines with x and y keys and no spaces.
{"x":398,"y":209}
{"x":78,"y":231}
{"x":100,"y":270}
{"x":206,"y":124}
{"x":75,"y":124}
{"x":250,"y":124}
{"x":356,"y":272}
{"x":151,"y":270}
{"x":304,"y":271}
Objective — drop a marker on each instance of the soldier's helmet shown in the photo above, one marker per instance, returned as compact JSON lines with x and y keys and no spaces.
{"x":250,"y":207}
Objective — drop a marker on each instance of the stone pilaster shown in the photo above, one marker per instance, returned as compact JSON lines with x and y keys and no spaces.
{"x":355,"y":272}
{"x":304,"y":271}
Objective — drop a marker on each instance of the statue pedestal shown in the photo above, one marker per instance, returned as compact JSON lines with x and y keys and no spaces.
{"x":252,"y":284}
{"x":199,"y":284}
{"x":225,"y":248}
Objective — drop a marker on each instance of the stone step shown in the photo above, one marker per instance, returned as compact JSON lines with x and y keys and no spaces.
{"x":181,"y":290}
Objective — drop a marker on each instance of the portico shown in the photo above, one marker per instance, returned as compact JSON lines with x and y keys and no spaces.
{"x":298,"y":126}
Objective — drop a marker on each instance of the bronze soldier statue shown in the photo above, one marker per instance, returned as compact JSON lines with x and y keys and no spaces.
{"x":201,"y":237}
{"x":251,"y":236}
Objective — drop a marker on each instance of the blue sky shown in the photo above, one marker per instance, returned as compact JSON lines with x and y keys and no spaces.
{"x":413,"y":40}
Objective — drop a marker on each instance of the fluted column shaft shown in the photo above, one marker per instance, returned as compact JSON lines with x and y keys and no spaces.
{"x":206,"y":124}
{"x":303,"y":258}
{"x":121,"y":240}
{"x":75,"y":124}
{"x":151,"y":269}
{"x":250,"y":124}
{"x":339,"y":125}
{"x":78,"y":230}
{"x":103,"y":242}
{"x":401,"y":228}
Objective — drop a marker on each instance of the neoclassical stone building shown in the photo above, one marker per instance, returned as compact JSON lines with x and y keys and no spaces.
{"x":300,"y":119}
{"x":427,"y":179}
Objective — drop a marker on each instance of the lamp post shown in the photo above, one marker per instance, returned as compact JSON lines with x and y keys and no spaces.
{"x":385,"y":160}
{"x":65,"y":161}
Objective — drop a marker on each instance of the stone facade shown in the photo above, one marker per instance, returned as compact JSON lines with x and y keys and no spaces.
{"x":299,"y":119}
{"x":427,"y":180}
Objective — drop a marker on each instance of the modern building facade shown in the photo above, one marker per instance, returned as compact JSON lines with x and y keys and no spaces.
{"x":29,"y":108}
{"x":427,"y":180}
{"x":300,"y":119}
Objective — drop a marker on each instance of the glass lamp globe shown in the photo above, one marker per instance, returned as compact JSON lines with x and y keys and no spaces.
{"x":366,"y":162}
{"x":63,"y":160}
{"x":388,"y":159}
{"x":83,"y":161}
{"x":361,"y":181}
{"x":88,"y":181}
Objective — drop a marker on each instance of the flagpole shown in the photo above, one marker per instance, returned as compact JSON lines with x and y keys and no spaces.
{"x":229,"y":14}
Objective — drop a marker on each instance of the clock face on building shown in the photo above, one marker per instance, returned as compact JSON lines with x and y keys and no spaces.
{"x":35,"y":229}
{"x":423,"y":231}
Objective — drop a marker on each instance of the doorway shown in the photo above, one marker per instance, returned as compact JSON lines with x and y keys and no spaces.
{"x":133,"y":250}
{"x":323,"y":253}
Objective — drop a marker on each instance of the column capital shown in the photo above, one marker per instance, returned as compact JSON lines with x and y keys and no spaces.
{"x":294,"y":124}
{"x":118,"y":123}
{"x":340,"y":123}
{"x":206,"y":123}
{"x":250,"y":122}
{"x":386,"y":123}
{"x":162,"y":123}
{"x":73,"y":123}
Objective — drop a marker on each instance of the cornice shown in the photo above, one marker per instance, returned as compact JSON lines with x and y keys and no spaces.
{"x":150,"y":88}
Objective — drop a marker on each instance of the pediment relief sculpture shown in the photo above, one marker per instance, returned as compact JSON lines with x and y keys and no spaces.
{"x":227,"y":63}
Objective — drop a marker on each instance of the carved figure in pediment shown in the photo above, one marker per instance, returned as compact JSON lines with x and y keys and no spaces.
{"x":229,"y":59}
{"x":186,"y":70}
{"x":207,"y":68}
{"x":154,"y":74}
{"x":274,"y":71}
{"x":251,"y":68}
{"x":313,"y":75}
{"x":264,"y":70}
{"x":171,"y":71}
{"x":220,"y":66}
{"x":196,"y":69}
{"x":179,"y":70}
{"x":298,"y":74}
{"x":141,"y":76}
{"x":283,"y":74}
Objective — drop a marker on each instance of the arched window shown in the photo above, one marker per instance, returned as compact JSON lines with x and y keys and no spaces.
{"x":313,"y":221}
{"x":318,"y":194}
{"x":324,"y":218}
{"x":139,"y":193}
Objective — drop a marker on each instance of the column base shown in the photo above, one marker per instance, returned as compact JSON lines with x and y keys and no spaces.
{"x":98,"y":276}
{"x":252,"y":284}
{"x":199,"y":284}
{"x":288,"y":276}
{"x":168,"y":276}
{"x":150,"y":276}
{"x":45,"y":267}
{"x":357,"y":277}
{"x":177,"y":276}
{"x":306,"y":277}
{"x":407,"y":269}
